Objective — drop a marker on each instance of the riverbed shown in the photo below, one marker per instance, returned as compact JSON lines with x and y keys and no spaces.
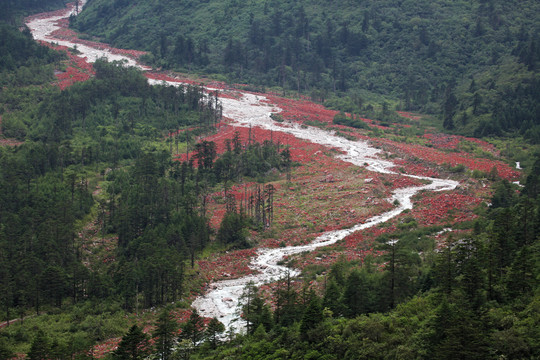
{"x":223,"y":299}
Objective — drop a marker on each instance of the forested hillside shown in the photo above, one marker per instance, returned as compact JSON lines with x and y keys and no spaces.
{"x":22,"y":61}
{"x":471,"y":62}
{"x":11,"y":10}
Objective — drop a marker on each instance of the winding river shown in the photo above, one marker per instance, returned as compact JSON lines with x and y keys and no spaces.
{"x":222,"y":301}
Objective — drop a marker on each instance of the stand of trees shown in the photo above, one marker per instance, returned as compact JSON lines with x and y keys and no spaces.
{"x":108,"y":122}
{"x":12,"y":10}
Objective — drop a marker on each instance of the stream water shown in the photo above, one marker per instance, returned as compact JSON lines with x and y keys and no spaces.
{"x":223,"y":299}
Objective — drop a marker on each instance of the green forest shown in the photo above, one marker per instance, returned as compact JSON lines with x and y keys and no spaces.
{"x":11,"y":11}
{"x":473,"y":63}
{"x":100,"y":152}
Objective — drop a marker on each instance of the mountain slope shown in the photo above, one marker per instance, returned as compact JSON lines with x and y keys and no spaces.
{"x":409,"y":50}
{"x":10,"y":10}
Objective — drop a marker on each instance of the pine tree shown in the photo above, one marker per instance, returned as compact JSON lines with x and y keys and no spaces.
{"x":193,"y":329}
{"x":332,"y":298}
{"x":165,"y":334}
{"x":313,"y":316}
{"x":213,"y":331}
{"x":134,"y":345}
{"x":5,"y":350}
{"x":40,"y":348}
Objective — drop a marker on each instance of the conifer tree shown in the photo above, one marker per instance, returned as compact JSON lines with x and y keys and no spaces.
{"x":165,"y":334}
{"x":213,"y":331}
{"x":134,"y":345}
{"x":193,"y":329}
{"x":40,"y":348}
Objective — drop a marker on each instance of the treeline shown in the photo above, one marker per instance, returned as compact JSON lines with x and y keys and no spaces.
{"x":107,"y":111}
{"x":158,"y":209}
{"x":476,"y":297}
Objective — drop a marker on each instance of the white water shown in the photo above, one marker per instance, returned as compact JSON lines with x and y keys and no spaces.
{"x":223,"y":300}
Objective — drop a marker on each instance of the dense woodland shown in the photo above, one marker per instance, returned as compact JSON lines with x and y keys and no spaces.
{"x":473,"y":63}
{"x":12,"y":10}
{"x":477,"y":297}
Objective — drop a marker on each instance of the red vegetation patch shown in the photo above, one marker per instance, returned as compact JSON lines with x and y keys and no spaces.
{"x":437,"y":208}
{"x":404,"y":182}
{"x":181,"y":315}
{"x":216,"y":201}
{"x":78,"y":69}
{"x":312,"y":204}
{"x":60,"y":12}
{"x":409,"y":115}
{"x":453,"y":159}
{"x":302,"y":110}
{"x":101,"y":350}
{"x":301,"y":151}
{"x":232,"y":264}
{"x":444,"y":141}
{"x":414,"y":168}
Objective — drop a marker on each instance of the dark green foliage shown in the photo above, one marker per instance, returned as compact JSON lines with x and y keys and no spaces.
{"x":5,"y":350}
{"x":46,"y":188}
{"x":420,"y":53}
{"x":213,"y":332}
{"x":332,"y":298}
{"x":288,"y":310}
{"x":481,"y":299}
{"x":37,"y":213}
{"x":165,"y":334}
{"x":11,"y":10}
{"x":245,"y":157}
{"x":232,"y":230}
{"x":532,"y":184}
{"x":458,"y":333}
{"x":193,"y":329}
{"x":135,"y":345}
{"x":313,"y":316}
{"x":342,"y":119}
{"x":255,"y":312}
{"x":480,"y":292}
{"x":41,"y":348}
{"x":22,"y":60}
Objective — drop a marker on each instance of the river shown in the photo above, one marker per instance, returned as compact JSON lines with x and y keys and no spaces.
{"x":223,"y":299}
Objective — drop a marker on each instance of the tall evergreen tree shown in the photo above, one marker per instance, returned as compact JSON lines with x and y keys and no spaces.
{"x":213,"y":332}
{"x":41,"y":348}
{"x":135,"y":345}
{"x":164,"y":334}
{"x":193,"y":329}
